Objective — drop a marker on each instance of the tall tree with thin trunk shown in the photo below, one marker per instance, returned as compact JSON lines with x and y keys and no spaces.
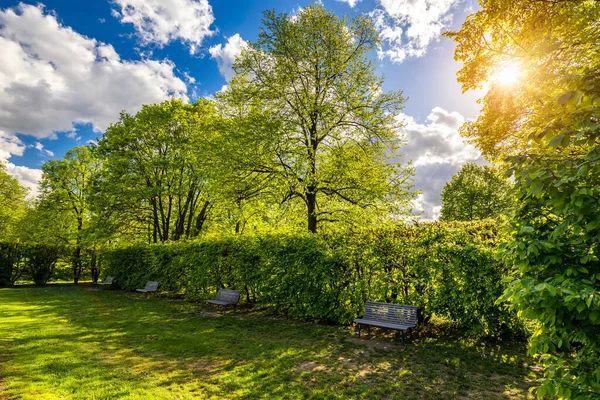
{"x":65,"y":186}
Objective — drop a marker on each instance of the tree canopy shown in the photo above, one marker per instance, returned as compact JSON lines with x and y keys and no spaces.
{"x":332,"y":129}
{"x":476,"y":192}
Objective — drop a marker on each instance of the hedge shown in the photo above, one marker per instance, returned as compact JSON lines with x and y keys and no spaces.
{"x":446,"y":269}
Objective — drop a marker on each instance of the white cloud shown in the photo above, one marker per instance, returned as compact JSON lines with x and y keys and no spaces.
{"x":52,"y":77}
{"x":11,"y":145}
{"x":42,"y":150}
{"x":225,"y":55}
{"x":351,"y":3}
{"x":437,"y":152}
{"x":162,"y":21}
{"x":408,"y":27}
{"x":27,"y":177}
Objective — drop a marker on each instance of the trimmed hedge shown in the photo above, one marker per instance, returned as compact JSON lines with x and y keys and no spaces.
{"x":447,"y":269}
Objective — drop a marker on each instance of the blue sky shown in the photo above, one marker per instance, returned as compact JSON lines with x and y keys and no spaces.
{"x":70,"y":66}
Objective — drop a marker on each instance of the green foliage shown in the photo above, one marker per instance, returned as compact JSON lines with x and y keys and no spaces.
{"x":157,"y":169}
{"x":12,"y":203}
{"x":445,"y":269}
{"x":547,"y":123}
{"x":555,"y":249}
{"x":11,"y":263}
{"x":554,"y":46}
{"x":307,"y":113}
{"x":40,"y":262}
{"x":476,"y":192}
{"x":65,"y":198}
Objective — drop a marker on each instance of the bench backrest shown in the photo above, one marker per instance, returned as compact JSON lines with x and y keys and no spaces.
{"x":151,"y":286}
{"x":228,"y":296}
{"x":109,"y":279}
{"x":391,"y":313}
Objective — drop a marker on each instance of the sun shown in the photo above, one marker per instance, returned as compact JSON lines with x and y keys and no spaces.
{"x":508,"y":74}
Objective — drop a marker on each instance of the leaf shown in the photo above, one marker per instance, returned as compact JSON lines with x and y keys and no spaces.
{"x":556,"y":140}
{"x":564,"y":98}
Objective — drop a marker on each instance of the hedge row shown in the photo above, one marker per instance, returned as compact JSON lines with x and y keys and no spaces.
{"x":447,"y":269}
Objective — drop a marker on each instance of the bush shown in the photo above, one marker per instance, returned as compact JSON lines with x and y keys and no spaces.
{"x":41,"y":261}
{"x":11,"y":263}
{"x":447,"y":269}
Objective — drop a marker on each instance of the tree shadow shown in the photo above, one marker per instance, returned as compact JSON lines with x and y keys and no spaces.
{"x":80,"y":344}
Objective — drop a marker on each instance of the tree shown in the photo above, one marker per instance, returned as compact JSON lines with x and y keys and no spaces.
{"x":476,"y":192}
{"x":550,"y":49}
{"x":329,"y":130}
{"x":12,"y":203}
{"x":157,"y":167}
{"x":65,"y":190}
{"x":547,"y":123}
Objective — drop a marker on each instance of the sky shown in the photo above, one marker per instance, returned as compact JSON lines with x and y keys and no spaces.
{"x":69,"y":67}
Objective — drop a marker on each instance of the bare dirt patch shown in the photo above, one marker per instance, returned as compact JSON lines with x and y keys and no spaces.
{"x":375,"y":344}
{"x":310,"y":366}
{"x":209,"y":314}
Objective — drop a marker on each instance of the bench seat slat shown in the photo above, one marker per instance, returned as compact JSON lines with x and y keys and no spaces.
{"x":219,"y":302}
{"x":383,"y":324}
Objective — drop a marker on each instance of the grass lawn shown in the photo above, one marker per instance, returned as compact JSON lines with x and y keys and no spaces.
{"x":63,"y":342}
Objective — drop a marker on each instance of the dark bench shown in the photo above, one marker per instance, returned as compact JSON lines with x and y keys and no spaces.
{"x":151,"y":287}
{"x":225,"y":298}
{"x":390,"y":316}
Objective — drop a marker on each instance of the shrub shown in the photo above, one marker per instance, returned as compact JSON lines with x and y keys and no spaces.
{"x":41,"y":261}
{"x":11,"y":263}
{"x":448,"y":269}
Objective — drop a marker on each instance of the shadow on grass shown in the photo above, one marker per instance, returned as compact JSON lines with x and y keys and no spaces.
{"x":66,"y":341}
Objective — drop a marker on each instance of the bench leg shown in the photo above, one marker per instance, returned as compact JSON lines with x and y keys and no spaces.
{"x":358,"y":330}
{"x":402,"y":337}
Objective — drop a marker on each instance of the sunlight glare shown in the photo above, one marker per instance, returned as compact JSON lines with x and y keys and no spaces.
{"x":507,"y":75}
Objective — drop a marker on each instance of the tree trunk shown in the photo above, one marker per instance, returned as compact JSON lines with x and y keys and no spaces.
{"x":311,"y":207}
{"x":201,"y":217}
{"x":77,"y":265}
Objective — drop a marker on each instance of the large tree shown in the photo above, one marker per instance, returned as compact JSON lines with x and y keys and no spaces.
{"x":157,"y":168}
{"x":476,"y":192}
{"x":329,"y":129}
{"x":548,"y":122}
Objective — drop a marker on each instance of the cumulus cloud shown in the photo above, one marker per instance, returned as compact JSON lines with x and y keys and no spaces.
{"x":225,"y":55}
{"x":162,"y":21}
{"x":29,"y":177}
{"x":52,"y":78}
{"x":351,"y":3}
{"x":408,"y":27}
{"x":437,"y":152}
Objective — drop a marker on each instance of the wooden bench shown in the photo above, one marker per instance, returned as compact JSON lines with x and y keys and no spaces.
{"x":225,"y":298}
{"x":107,"y":281}
{"x":151,"y":286}
{"x":390,"y":316}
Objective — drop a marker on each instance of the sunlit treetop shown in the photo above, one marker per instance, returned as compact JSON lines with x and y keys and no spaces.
{"x":539,"y":62}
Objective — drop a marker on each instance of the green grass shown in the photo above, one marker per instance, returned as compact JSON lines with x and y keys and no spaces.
{"x":62,"y":342}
